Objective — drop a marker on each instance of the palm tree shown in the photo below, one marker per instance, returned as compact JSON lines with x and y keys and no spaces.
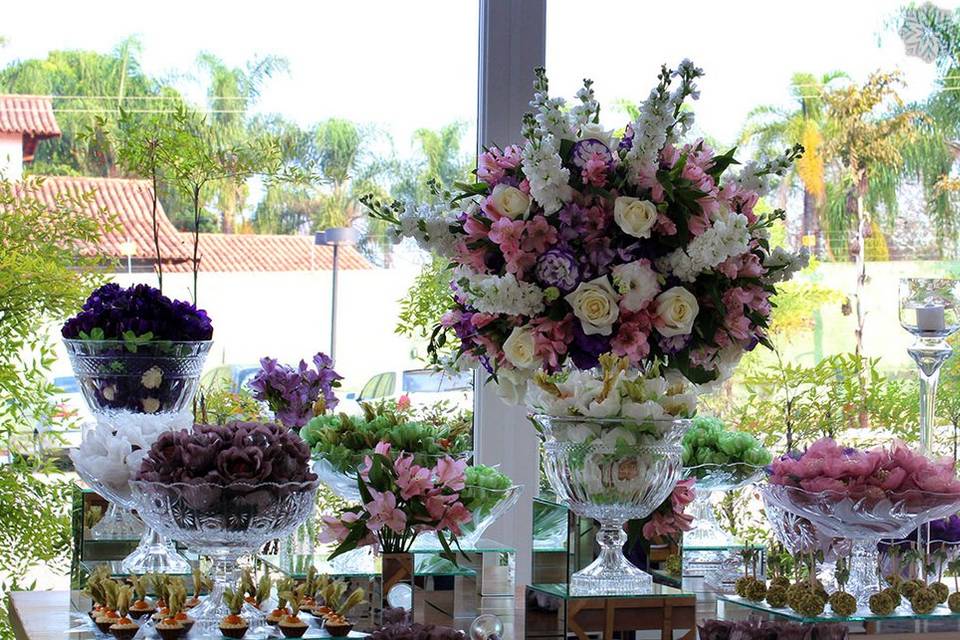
{"x":230,"y":94}
{"x":772,"y":129}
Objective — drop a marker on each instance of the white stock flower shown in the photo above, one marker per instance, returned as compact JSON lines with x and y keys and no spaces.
{"x":634,"y":216}
{"x":594,"y":303}
{"x":548,"y":178}
{"x":676,"y":309}
{"x":510,"y":201}
{"x":728,"y":236}
{"x":152,"y":377}
{"x":499,"y":294}
{"x":520,"y":349}
{"x":637,"y":282}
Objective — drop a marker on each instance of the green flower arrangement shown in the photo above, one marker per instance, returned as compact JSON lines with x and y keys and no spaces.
{"x":709,"y":442}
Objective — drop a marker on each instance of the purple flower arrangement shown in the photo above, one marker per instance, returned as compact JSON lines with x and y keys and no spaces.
{"x":135,"y":350}
{"x":240,"y":453}
{"x":296,"y":394}
{"x":114,"y":313}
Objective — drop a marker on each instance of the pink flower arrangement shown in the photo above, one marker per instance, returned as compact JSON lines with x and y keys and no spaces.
{"x":669,"y":521}
{"x":401,"y":500}
{"x":826,"y":466}
{"x":580,"y":242}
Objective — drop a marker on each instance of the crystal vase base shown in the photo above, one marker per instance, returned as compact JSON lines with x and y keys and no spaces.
{"x":155,"y":554}
{"x":611,"y":573}
{"x":213,"y":609}
{"x":117,"y":524}
{"x":706,"y":531}
{"x":862,"y":582}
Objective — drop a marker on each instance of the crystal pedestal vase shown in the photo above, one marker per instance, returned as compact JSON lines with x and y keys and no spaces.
{"x":154,"y":554}
{"x":711,"y":479}
{"x":224,"y":522}
{"x":864,"y":519}
{"x":116,"y":524}
{"x":611,"y":470}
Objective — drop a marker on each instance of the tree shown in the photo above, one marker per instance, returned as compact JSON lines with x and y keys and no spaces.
{"x":773,"y":128}
{"x":230,"y":94}
{"x":43,"y":278}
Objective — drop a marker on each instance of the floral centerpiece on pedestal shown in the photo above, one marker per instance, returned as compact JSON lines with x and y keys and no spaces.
{"x":865,"y":496}
{"x":582,"y":242}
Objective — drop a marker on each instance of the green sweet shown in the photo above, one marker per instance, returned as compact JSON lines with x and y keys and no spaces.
{"x":894,"y":596}
{"x":909,"y":587}
{"x":756,"y":591}
{"x":954,"y":602}
{"x":810,"y":605}
{"x":843,"y":604}
{"x":924,"y":601}
{"x":777,"y":596}
{"x":741,"y":585}
{"x":881,"y":604}
{"x":940,"y":590}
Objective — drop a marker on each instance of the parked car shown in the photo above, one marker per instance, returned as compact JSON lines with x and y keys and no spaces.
{"x":421,"y":386}
{"x":231,"y":376}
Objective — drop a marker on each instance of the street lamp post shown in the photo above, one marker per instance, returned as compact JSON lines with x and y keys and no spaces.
{"x":334,"y":237}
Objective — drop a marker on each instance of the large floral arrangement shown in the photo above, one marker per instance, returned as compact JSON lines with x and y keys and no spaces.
{"x":137,"y":314}
{"x":873,"y":473}
{"x":582,"y":241}
{"x":401,"y":500}
{"x":296,"y":394}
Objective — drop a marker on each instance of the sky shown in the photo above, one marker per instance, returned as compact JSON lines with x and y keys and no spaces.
{"x":410,"y":64}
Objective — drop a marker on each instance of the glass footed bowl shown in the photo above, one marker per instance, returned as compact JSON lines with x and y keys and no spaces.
{"x":344,"y":483}
{"x":157,"y":377}
{"x":709,"y":478}
{"x":154,"y":553}
{"x":612,"y":470}
{"x":865,"y":519}
{"x":495,"y":502}
{"x":224,"y":522}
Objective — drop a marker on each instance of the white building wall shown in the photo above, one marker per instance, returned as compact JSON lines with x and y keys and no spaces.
{"x":11,"y":156}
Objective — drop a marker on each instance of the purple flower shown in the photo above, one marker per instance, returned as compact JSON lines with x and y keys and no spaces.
{"x":292,"y":392}
{"x":674,"y":344}
{"x":558,"y":268}
{"x":586,"y":350}
{"x":141,"y":309}
{"x":626,"y":142}
{"x":585,"y":149}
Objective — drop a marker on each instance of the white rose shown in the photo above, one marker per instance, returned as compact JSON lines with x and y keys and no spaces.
{"x":634,"y":216}
{"x":520,"y":349}
{"x":637,"y":282}
{"x":510,"y":201}
{"x":150,"y":405}
{"x":593,"y":131}
{"x":152,"y":377}
{"x":676,"y":309}
{"x":595,"y":305}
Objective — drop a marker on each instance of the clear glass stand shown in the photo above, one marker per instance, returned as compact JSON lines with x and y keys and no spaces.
{"x":208,"y":614}
{"x":155,"y":554}
{"x":864,"y":559}
{"x":611,"y":573}
{"x":707,"y":531}
{"x":117,"y":523}
{"x":929,"y":354}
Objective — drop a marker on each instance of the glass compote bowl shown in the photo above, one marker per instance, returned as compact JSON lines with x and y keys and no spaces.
{"x":864,"y":519}
{"x":224,"y":522}
{"x":710,"y":479}
{"x":496,"y":502}
{"x":612,"y":470}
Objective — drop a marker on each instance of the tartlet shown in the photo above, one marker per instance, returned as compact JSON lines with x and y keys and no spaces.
{"x":337,"y":626}
{"x":124,"y":629}
{"x":141,"y":608}
{"x":292,"y":627}
{"x":233,"y":626}
{"x":170,"y":629}
{"x":105,"y":620}
{"x":277,"y":615}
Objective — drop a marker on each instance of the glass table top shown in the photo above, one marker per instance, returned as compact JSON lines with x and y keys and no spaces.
{"x":562,"y":590}
{"x":903,"y":612}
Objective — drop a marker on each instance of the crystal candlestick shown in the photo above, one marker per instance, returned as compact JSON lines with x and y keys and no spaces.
{"x":928,"y":310}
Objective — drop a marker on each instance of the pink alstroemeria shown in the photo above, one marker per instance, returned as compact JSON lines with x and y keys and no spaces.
{"x":451,"y":473}
{"x":336,"y":529}
{"x":412,"y":479}
{"x":384,"y":512}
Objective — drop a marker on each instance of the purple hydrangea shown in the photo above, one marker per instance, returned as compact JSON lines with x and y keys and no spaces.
{"x":558,"y":268}
{"x":112,"y":311}
{"x":291,"y":393}
{"x":240,"y":452}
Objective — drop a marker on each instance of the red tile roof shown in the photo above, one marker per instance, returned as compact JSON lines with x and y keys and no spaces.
{"x":254,"y":252}
{"x":30,"y":115}
{"x":130,"y":202}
